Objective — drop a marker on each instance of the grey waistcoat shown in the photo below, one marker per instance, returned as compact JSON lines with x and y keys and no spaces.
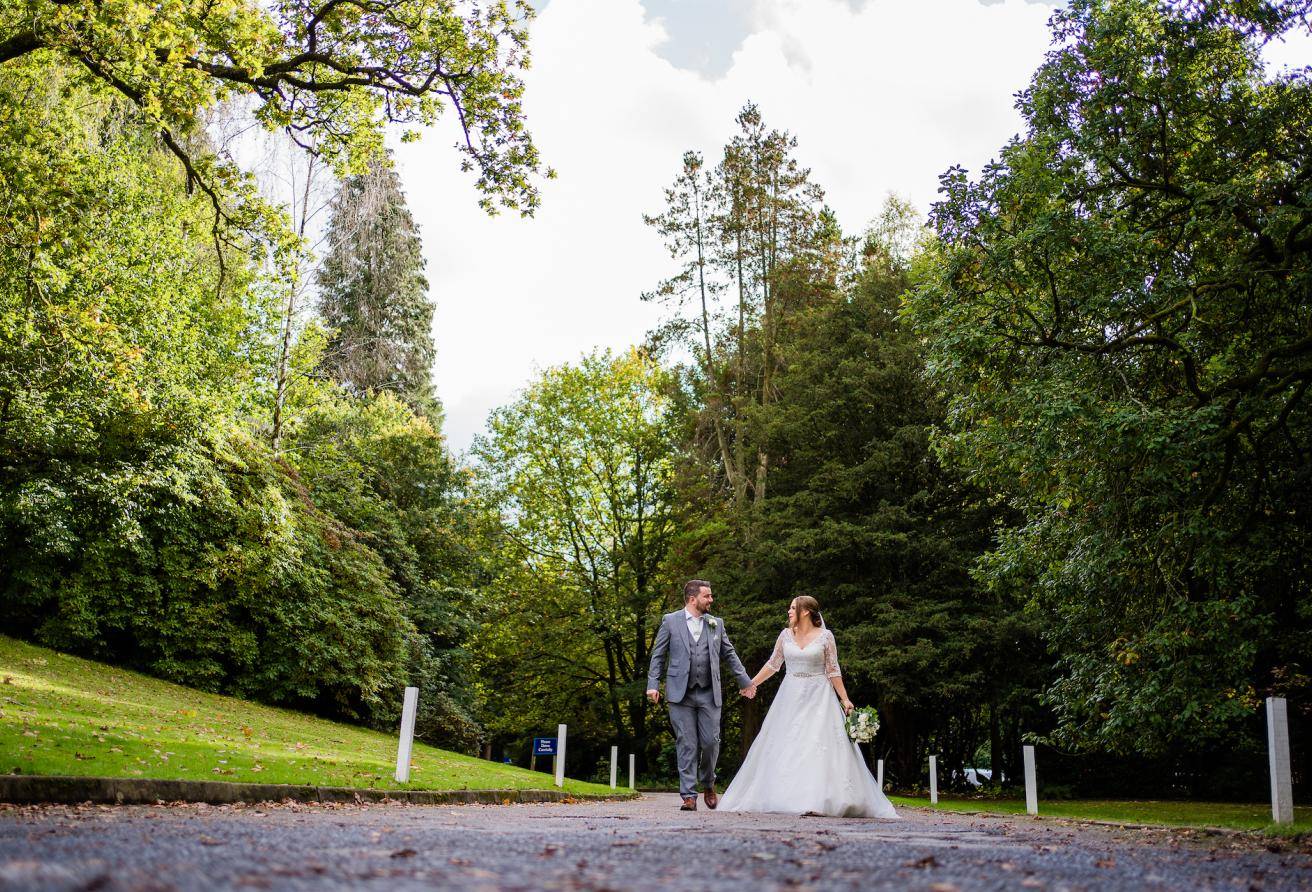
{"x":699,"y":670}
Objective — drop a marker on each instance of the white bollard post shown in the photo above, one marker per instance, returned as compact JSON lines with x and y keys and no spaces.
{"x":879,"y":773}
{"x":614,"y":765}
{"x":633,"y":771}
{"x":560,"y":755}
{"x":408,"y":710}
{"x":933,"y":780}
{"x":1031,"y":784}
{"x":1277,"y":743}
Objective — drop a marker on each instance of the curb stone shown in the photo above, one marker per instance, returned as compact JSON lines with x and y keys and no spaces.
{"x":27,"y":789}
{"x":1095,"y":822}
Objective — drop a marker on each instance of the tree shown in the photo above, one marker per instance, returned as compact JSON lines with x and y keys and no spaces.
{"x":332,"y":73}
{"x":139,"y":521}
{"x":142,"y":518}
{"x":303,"y":180}
{"x":756,"y":247}
{"x":1119,"y":320}
{"x":580,"y":469}
{"x":384,"y":472}
{"x":861,"y":515}
{"x":753,"y":229}
{"x":373,"y":294}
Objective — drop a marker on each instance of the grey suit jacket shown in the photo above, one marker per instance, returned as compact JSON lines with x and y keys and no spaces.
{"x":674,"y":642}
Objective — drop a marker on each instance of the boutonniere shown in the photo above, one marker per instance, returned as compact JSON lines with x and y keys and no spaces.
{"x":712,"y":622}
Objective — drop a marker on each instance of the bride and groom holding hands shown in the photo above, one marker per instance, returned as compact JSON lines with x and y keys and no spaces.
{"x":802,"y":761}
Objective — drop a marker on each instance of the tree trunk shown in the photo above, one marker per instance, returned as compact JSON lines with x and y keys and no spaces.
{"x":752,"y":719}
{"x":995,"y":744}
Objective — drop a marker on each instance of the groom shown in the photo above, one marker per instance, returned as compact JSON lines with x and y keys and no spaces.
{"x":694,"y":642}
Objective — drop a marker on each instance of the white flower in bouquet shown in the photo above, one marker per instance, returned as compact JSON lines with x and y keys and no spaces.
{"x":863,"y":724}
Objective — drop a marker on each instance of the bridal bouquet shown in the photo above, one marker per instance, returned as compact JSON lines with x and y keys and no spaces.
{"x":862,"y":724}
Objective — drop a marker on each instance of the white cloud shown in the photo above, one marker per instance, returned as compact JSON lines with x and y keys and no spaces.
{"x":882,"y":97}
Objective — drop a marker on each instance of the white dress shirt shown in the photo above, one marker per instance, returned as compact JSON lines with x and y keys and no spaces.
{"x":695,"y":624}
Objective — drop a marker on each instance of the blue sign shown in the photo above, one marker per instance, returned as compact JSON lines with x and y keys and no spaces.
{"x":544,"y":746}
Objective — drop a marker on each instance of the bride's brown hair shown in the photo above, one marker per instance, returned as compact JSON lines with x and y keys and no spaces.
{"x":811,"y":606}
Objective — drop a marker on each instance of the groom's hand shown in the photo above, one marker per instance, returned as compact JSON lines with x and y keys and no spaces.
{"x":749,"y":692}
{"x":654,"y":696}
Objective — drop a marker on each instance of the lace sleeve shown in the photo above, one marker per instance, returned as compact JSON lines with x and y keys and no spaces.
{"x":776,"y":661}
{"x":831,"y":656}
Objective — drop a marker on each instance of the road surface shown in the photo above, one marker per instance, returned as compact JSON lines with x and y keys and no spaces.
{"x":640,"y":845}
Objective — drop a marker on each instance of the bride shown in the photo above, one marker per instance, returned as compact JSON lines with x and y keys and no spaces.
{"x":803,"y":761}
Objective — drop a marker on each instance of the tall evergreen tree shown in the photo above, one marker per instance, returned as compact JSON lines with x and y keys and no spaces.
{"x":374,"y":295}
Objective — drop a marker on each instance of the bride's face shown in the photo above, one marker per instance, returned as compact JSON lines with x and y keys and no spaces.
{"x":792,"y":613}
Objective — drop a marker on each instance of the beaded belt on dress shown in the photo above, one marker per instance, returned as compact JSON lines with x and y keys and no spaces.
{"x":806,"y":674}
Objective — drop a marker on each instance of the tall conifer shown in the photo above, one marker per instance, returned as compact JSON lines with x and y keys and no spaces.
{"x":373,"y":292}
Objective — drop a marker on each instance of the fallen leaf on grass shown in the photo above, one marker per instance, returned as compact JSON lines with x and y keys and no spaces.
{"x":210,"y":841}
{"x":922,"y":863}
{"x":1105,"y":862}
{"x":404,"y":853}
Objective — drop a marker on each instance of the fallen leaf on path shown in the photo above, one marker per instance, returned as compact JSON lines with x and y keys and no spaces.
{"x":404,"y":853}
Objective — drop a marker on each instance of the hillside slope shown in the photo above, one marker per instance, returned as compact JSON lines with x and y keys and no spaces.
{"x":65,"y":715}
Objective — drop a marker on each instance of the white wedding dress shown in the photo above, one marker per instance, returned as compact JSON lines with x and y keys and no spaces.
{"x":803,"y":761}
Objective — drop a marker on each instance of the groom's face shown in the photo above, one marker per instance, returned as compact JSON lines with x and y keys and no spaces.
{"x":702,"y":599}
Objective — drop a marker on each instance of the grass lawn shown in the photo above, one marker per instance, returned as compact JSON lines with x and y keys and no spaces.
{"x":64,"y":715}
{"x":1237,"y":816}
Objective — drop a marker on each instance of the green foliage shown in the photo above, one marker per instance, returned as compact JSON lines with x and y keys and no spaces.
{"x":385,"y":473}
{"x":1119,"y":321}
{"x":754,"y":246}
{"x":140,"y":518}
{"x":373,"y":294}
{"x":333,"y":73}
{"x":861,"y":516}
{"x":68,"y":716}
{"x":579,"y":470}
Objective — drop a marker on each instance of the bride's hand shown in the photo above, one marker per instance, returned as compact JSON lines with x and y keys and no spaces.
{"x":848,"y":707}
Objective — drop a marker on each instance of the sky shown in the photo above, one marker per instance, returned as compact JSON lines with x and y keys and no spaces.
{"x":882,"y":95}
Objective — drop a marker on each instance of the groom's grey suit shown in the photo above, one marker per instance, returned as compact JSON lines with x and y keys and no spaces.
{"x":692,"y":689}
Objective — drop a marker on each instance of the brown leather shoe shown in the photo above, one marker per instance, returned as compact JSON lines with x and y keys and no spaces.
{"x":712,"y":800}
{"x":689,"y":803}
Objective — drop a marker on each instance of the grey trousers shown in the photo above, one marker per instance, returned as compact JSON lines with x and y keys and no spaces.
{"x":696,"y":721}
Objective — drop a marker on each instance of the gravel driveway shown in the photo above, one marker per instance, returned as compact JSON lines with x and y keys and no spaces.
{"x":646,"y":844}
